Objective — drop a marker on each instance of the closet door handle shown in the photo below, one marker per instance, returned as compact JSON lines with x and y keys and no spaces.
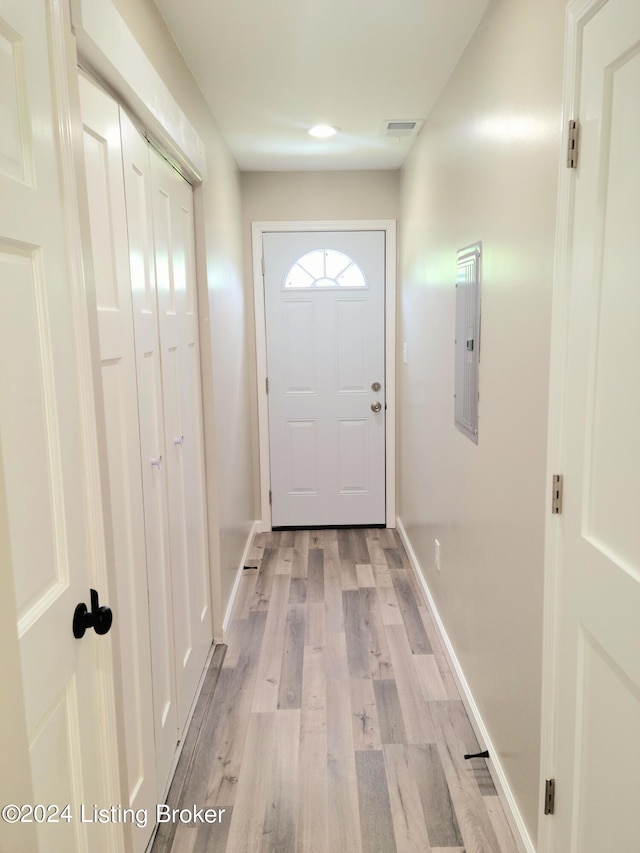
{"x":99,"y":618}
{"x":156,"y":462}
{"x":179,"y":441}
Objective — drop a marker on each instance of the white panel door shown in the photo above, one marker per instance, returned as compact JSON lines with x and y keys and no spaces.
{"x":110,"y":252}
{"x":177,"y":309}
{"x":324,"y":300}
{"x":152,"y":443}
{"x":598,"y":670}
{"x":41,"y":438}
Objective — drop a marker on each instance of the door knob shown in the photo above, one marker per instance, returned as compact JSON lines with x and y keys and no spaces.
{"x":156,"y":462}
{"x":376,"y":407}
{"x":100,"y":618}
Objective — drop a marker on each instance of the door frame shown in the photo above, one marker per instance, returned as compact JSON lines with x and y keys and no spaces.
{"x":389,"y":228}
{"x":578,"y":14}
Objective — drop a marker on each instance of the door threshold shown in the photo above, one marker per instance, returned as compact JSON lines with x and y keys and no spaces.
{"x":331,"y":527}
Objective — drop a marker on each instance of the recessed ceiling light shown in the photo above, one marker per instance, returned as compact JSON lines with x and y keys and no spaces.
{"x":322,"y":131}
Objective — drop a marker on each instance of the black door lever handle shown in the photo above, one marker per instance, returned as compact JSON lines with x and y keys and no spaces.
{"x":99,"y":618}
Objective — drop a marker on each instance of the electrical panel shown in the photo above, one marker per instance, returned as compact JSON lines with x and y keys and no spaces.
{"x":467,"y":340}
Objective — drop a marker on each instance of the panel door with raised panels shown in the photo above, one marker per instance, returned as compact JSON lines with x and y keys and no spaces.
{"x":137,"y":181}
{"x":110,"y":253}
{"x":177,"y":314}
{"x":42,"y":438}
{"x":598,"y":684}
{"x":324,"y":299}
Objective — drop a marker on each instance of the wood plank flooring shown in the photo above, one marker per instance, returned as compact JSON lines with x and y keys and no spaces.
{"x":335,"y":726}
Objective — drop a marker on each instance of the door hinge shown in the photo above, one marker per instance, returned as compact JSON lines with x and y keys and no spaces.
{"x":266,"y":384}
{"x":556,"y":494}
{"x":263,"y":265}
{"x":573,"y":133}
{"x":270,"y":497}
{"x":550,"y":796}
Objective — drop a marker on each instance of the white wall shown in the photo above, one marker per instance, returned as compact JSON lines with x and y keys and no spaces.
{"x":227,"y":368}
{"x":307,"y":196}
{"x":485,"y":168}
{"x":319,"y":195}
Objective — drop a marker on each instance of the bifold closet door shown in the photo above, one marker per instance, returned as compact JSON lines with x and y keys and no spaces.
{"x":173,"y":230}
{"x":137,"y":183}
{"x":107,"y":220}
{"x":142,"y":230}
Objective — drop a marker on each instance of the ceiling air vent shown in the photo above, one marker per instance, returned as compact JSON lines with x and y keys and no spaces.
{"x":404,"y":127}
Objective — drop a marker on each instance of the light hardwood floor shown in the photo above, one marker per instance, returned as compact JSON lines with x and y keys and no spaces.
{"x":335,"y":725}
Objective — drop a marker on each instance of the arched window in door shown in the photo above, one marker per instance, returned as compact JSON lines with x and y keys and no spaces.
{"x":324,"y":268}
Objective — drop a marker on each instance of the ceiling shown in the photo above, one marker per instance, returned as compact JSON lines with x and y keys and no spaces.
{"x":270,"y":69}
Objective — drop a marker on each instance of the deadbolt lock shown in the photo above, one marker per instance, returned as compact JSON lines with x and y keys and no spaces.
{"x":376,"y":386}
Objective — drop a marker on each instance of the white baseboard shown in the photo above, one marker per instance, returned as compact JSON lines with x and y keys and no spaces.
{"x":236,"y":584}
{"x":512,"y":812}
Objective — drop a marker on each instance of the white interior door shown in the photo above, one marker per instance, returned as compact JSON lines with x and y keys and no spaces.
{"x":598,"y":668}
{"x":137,"y":181}
{"x":41,"y":437}
{"x":325,"y":325}
{"x":177,"y":309}
{"x":110,"y":252}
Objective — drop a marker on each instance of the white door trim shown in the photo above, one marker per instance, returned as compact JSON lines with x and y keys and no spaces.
{"x":106,"y":45}
{"x":87,"y":379}
{"x":389,"y":227}
{"x":578,"y":15}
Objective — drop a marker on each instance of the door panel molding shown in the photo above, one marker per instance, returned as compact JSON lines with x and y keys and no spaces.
{"x":257,"y":231}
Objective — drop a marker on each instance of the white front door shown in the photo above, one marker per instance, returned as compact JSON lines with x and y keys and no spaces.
{"x":598,"y":666}
{"x":43,"y":441}
{"x":325,"y":326}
